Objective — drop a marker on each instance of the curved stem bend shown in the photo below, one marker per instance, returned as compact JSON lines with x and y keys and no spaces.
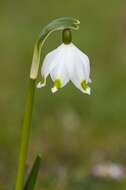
{"x":57,"y":24}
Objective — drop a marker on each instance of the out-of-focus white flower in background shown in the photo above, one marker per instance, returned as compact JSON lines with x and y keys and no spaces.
{"x":108,"y":170}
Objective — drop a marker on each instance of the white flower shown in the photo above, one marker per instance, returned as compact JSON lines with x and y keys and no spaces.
{"x":66,"y":63}
{"x":108,"y":170}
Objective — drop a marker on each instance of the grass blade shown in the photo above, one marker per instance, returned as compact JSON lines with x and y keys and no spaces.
{"x":31,"y":181}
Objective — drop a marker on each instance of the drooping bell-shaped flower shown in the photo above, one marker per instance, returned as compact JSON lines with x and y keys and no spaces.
{"x":66,"y":63}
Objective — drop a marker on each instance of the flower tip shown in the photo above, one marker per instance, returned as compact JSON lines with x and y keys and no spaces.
{"x":88,"y":91}
{"x":77,"y":21}
{"x":40,"y":85}
{"x":54,"y":89}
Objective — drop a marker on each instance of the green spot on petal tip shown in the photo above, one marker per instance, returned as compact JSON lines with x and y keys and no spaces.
{"x":57,"y":83}
{"x":84,"y":85}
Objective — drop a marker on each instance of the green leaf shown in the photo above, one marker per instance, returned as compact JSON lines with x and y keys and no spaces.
{"x":31,"y":181}
{"x":57,"y":24}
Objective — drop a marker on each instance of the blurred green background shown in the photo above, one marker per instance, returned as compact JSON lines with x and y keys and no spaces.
{"x":72,"y":131}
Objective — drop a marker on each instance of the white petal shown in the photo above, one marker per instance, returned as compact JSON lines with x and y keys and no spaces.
{"x":54,"y":89}
{"x":87,"y":91}
{"x":84,"y":58}
{"x":90,"y":81}
{"x":78,"y":68}
{"x":60,"y":70}
{"x":49,"y":63}
{"x":40,"y":85}
{"x":80,"y":57}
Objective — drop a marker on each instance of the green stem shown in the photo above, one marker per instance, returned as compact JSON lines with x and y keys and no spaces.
{"x":25,"y":133}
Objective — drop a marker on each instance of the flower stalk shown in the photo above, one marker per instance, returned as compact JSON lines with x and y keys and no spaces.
{"x":25,"y":133}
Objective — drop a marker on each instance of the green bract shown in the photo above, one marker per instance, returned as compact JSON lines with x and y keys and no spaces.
{"x":57,"y":24}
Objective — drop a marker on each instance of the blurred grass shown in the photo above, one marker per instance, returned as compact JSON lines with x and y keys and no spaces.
{"x":71,"y":130}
